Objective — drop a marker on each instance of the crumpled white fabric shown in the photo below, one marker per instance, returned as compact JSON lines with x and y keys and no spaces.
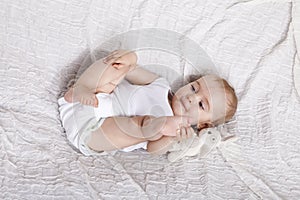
{"x":250,"y":43}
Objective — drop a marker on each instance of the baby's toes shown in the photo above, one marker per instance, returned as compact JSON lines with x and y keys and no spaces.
{"x":87,"y":102}
{"x":91,"y":101}
{"x":84,"y":101}
{"x":95,"y":102}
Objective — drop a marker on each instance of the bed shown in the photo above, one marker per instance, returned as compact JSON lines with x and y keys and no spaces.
{"x":253,"y":44}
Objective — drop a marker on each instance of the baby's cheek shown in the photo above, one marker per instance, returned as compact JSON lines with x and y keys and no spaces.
{"x":177,"y":109}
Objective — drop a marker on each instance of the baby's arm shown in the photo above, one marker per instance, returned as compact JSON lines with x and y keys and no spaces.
{"x":160,"y":146}
{"x":101,"y":76}
{"x":140,"y":76}
{"x":119,"y":132}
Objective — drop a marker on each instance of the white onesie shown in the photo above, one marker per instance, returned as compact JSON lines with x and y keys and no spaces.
{"x":126,"y":100}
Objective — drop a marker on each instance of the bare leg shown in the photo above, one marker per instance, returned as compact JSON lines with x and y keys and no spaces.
{"x":120,"y":132}
{"x":86,"y":94}
{"x":101,"y":76}
{"x":107,"y":140}
{"x":117,"y":133}
{"x":84,"y":89}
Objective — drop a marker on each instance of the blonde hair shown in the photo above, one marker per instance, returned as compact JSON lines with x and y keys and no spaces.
{"x":231,"y":102}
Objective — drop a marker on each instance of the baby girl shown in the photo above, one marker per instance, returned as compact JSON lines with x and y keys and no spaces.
{"x":115,"y":104}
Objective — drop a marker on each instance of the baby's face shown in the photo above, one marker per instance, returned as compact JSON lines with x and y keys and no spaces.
{"x":203,"y":100}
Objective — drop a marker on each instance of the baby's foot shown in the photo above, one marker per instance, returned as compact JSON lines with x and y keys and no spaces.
{"x":69,"y":95}
{"x":89,"y":99}
{"x":82,"y":95}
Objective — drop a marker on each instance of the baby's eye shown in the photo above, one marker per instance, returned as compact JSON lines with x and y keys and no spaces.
{"x":193,"y":88}
{"x":201,"y":105}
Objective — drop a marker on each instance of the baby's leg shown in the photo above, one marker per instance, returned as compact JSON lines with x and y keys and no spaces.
{"x":84,"y":89}
{"x":117,"y":133}
{"x":99,"y":77}
{"x":81,"y":94}
{"x":110,"y":69}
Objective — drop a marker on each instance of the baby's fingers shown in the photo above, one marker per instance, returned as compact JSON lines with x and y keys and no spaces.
{"x":108,"y":59}
{"x":114,"y":55}
{"x":111,"y":56}
{"x":178,"y":135}
{"x":118,"y":63}
{"x":183,"y":133}
{"x":190,"y":132}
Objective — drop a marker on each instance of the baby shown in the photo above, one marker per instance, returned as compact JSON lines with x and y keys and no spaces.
{"x":117,"y":105}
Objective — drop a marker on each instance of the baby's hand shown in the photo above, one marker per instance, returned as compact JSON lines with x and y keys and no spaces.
{"x":173,"y":123}
{"x":184,"y":132}
{"x":121,"y":58}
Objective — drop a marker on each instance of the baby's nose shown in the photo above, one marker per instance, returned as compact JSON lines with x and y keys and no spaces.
{"x":192,"y":98}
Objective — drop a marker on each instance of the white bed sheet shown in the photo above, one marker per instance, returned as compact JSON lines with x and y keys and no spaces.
{"x":251,"y":43}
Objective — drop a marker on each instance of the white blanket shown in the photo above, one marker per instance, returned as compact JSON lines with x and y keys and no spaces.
{"x":252,"y":45}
